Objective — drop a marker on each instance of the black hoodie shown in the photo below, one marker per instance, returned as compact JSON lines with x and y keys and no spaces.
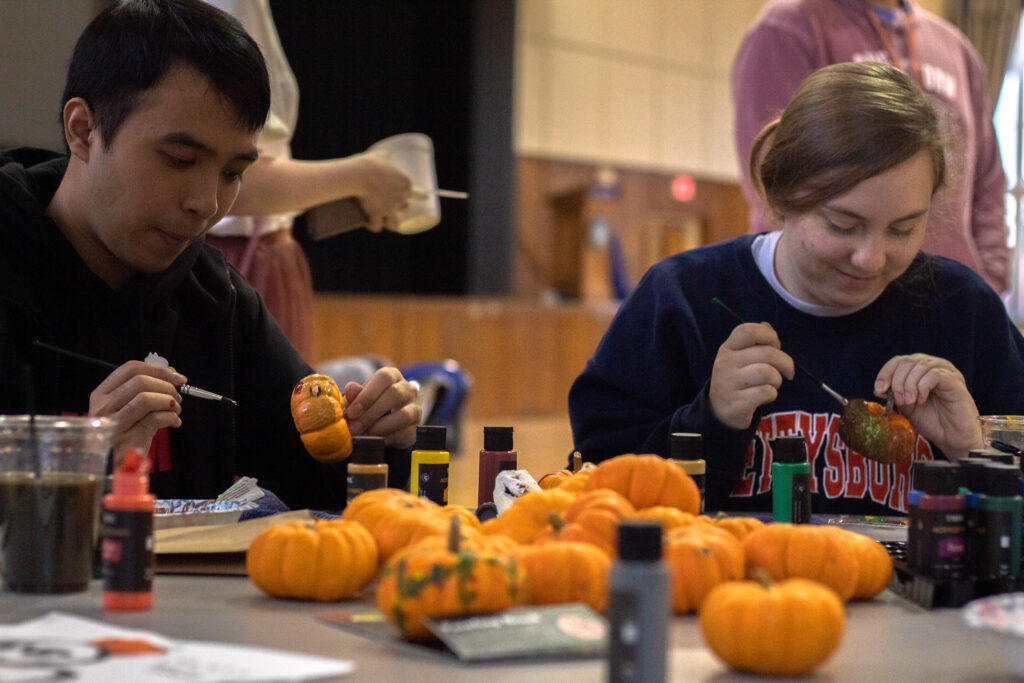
{"x":200,"y":314}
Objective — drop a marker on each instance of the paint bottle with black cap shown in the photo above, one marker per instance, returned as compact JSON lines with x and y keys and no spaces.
{"x":638,"y":605}
{"x":791,"y":480}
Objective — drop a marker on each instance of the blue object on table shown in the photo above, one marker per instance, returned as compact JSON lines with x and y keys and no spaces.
{"x":269,"y":504}
{"x":444,"y":386}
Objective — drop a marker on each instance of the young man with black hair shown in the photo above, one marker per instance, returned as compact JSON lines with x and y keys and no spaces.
{"x":102,"y":253}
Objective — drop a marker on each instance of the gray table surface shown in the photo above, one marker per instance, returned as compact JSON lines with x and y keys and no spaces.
{"x":887,"y":639}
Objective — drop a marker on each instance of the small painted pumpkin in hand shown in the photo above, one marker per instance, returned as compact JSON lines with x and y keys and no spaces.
{"x":877,"y":432}
{"x":318,"y":410}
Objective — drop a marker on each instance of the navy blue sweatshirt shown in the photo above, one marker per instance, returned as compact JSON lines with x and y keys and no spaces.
{"x":651,"y":372}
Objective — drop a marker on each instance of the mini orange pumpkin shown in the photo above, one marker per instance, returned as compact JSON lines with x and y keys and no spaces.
{"x":529,"y":516}
{"x":670,"y":518}
{"x":646,"y":481}
{"x":372,"y":504}
{"x":874,"y":565}
{"x":566,"y":571}
{"x":375,"y":510}
{"x":408,"y":523}
{"x":318,"y":411}
{"x":467,"y":517}
{"x":325,"y":560}
{"x":424,"y":581}
{"x":818,"y":553}
{"x":577,"y":481}
{"x":738,"y":526}
{"x":781,"y":629}
{"x":552,"y":480}
{"x":700,"y":556}
{"x":592,"y":518}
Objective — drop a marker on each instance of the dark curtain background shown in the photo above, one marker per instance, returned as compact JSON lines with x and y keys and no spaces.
{"x":368,"y":69}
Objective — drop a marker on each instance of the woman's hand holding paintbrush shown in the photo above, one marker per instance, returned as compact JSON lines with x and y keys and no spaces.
{"x":747,"y":373}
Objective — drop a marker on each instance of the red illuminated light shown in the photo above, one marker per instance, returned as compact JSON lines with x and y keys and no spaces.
{"x":684,"y":187}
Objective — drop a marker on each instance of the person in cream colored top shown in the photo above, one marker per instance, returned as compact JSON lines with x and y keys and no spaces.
{"x":278,"y":187}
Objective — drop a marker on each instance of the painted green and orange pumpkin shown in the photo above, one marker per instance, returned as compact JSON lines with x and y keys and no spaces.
{"x":426,"y":581}
{"x":877,"y":432}
{"x":318,"y":411}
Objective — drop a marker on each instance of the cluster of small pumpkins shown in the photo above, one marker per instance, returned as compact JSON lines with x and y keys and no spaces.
{"x":556,"y":545}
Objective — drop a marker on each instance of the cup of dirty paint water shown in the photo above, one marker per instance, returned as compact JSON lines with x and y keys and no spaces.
{"x":51,"y":477}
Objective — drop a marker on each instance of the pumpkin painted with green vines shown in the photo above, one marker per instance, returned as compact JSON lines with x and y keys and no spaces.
{"x":426,"y":581}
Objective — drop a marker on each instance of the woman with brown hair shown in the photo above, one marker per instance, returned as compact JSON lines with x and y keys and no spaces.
{"x":850,"y":169}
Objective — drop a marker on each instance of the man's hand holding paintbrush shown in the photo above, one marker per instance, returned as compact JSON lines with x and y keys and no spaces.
{"x":144,"y":397}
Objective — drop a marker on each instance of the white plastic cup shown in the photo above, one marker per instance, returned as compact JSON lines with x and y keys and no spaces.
{"x":413,"y":153}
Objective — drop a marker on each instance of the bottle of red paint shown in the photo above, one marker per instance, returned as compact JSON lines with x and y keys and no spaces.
{"x":127,"y":537}
{"x":496,"y":456}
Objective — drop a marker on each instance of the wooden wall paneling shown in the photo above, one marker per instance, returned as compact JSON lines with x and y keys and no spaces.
{"x":544,"y":255}
{"x":523,"y":355}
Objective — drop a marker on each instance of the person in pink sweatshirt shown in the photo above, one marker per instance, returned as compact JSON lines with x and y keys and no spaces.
{"x":791,"y":38}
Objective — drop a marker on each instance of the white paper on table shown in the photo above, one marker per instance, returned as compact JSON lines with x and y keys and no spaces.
{"x":43,"y":648}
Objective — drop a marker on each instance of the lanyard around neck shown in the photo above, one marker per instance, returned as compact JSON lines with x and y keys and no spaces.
{"x":883,"y":35}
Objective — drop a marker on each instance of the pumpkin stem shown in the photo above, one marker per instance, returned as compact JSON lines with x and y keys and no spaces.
{"x":890,"y":399}
{"x":577,"y":461}
{"x":454,"y":534}
{"x":762,"y":576}
{"x":722,"y":515}
{"x":556,"y":522}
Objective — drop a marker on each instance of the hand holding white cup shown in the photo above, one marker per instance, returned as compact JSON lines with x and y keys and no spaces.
{"x":413,"y":153}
